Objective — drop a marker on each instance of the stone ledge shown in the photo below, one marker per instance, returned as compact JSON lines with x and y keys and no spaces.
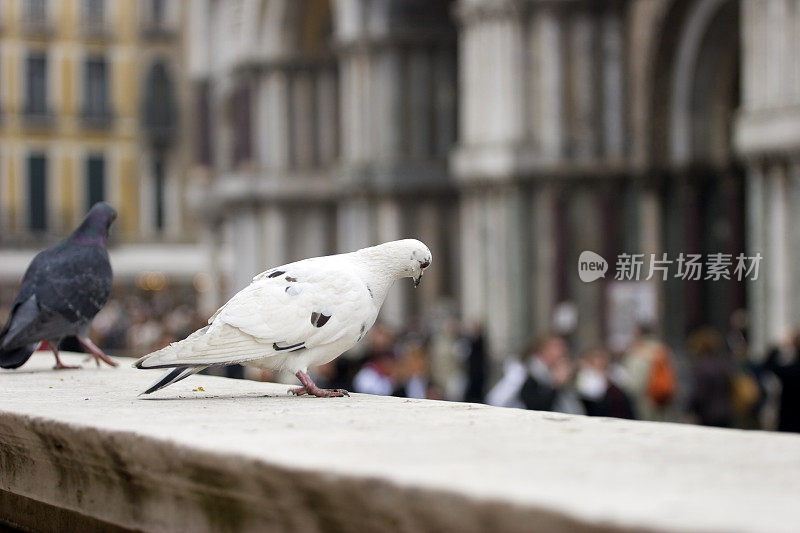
{"x":245,"y":456}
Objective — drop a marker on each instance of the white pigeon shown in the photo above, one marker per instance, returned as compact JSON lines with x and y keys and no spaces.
{"x":295,"y":316}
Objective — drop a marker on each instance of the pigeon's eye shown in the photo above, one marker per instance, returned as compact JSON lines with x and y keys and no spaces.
{"x":425,"y":264}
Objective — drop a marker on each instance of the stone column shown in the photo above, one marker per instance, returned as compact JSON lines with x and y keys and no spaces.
{"x":354,"y":225}
{"x":302,"y":115}
{"x":777,"y":269}
{"x":473,"y":281}
{"x":211,"y":240}
{"x":307,"y":233}
{"x":274,"y":250}
{"x":505,"y":112}
{"x":386,"y":112}
{"x":506,"y":313}
{"x":613,"y":83}
{"x":428,"y":219}
{"x":550,"y":51}
{"x":445,"y":99}
{"x":649,"y":218}
{"x":517,"y":249}
{"x":756,"y":243}
{"x":793,"y":239}
{"x":585,"y":217}
{"x":246,"y":261}
{"x":420,"y":130}
{"x":497,"y":263}
{"x":543,"y":255}
{"x":327,"y":117}
{"x":272,"y":128}
{"x":584,"y":86}
{"x":649,"y":238}
{"x":389,"y":227}
{"x":223,"y":134}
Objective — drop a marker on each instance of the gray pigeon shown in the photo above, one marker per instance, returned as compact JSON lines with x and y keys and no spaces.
{"x":62,"y":290}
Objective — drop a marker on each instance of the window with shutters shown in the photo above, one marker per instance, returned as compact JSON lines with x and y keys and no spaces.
{"x":95,"y":180}
{"x":36,"y":85}
{"x":96,"y":109}
{"x":37,"y":192}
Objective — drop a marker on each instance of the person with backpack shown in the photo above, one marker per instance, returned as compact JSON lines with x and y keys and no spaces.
{"x":651,"y":381}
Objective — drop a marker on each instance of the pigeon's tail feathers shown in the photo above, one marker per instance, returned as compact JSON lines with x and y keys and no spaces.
{"x":22,"y":321}
{"x":217,"y":344}
{"x":161,"y":358}
{"x":16,"y":357}
{"x":173,"y":376}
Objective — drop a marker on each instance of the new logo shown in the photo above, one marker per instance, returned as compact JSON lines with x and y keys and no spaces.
{"x":591,"y":266}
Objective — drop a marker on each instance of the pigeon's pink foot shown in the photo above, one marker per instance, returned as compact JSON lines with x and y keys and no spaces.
{"x":96,"y":352}
{"x":320,"y":393}
{"x":309,"y":387}
{"x":59,"y":364}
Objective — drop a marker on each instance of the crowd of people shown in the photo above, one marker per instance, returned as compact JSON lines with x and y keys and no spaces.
{"x":714,"y":383}
{"x":712,"y":380}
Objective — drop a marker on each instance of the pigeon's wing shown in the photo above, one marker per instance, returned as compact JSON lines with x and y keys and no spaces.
{"x":75,"y":281}
{"x":292,"y":308}
{"x":63,"y":289}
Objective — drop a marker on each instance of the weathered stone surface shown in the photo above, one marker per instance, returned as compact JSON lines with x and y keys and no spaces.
{"x":246,"y":456}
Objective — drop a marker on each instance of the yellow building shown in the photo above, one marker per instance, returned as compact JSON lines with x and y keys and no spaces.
{"x":91,"y":96}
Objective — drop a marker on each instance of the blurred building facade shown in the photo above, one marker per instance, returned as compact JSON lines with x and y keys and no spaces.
{"x":767,"y":137}
{"x":90,"y":109}
{"x":602,"y":126}
{"x":327,"y":127}
{"x":510,"y":135}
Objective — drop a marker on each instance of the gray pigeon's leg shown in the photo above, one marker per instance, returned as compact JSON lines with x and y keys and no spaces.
{"x":97,"y":353}
{"x":54,"y":348}
{"x":309,"y":387}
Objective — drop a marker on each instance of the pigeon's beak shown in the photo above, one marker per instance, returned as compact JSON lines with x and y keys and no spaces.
{"x":418,"y":279}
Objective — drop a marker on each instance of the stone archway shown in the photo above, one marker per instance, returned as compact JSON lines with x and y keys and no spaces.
{"x":700,"y":186}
